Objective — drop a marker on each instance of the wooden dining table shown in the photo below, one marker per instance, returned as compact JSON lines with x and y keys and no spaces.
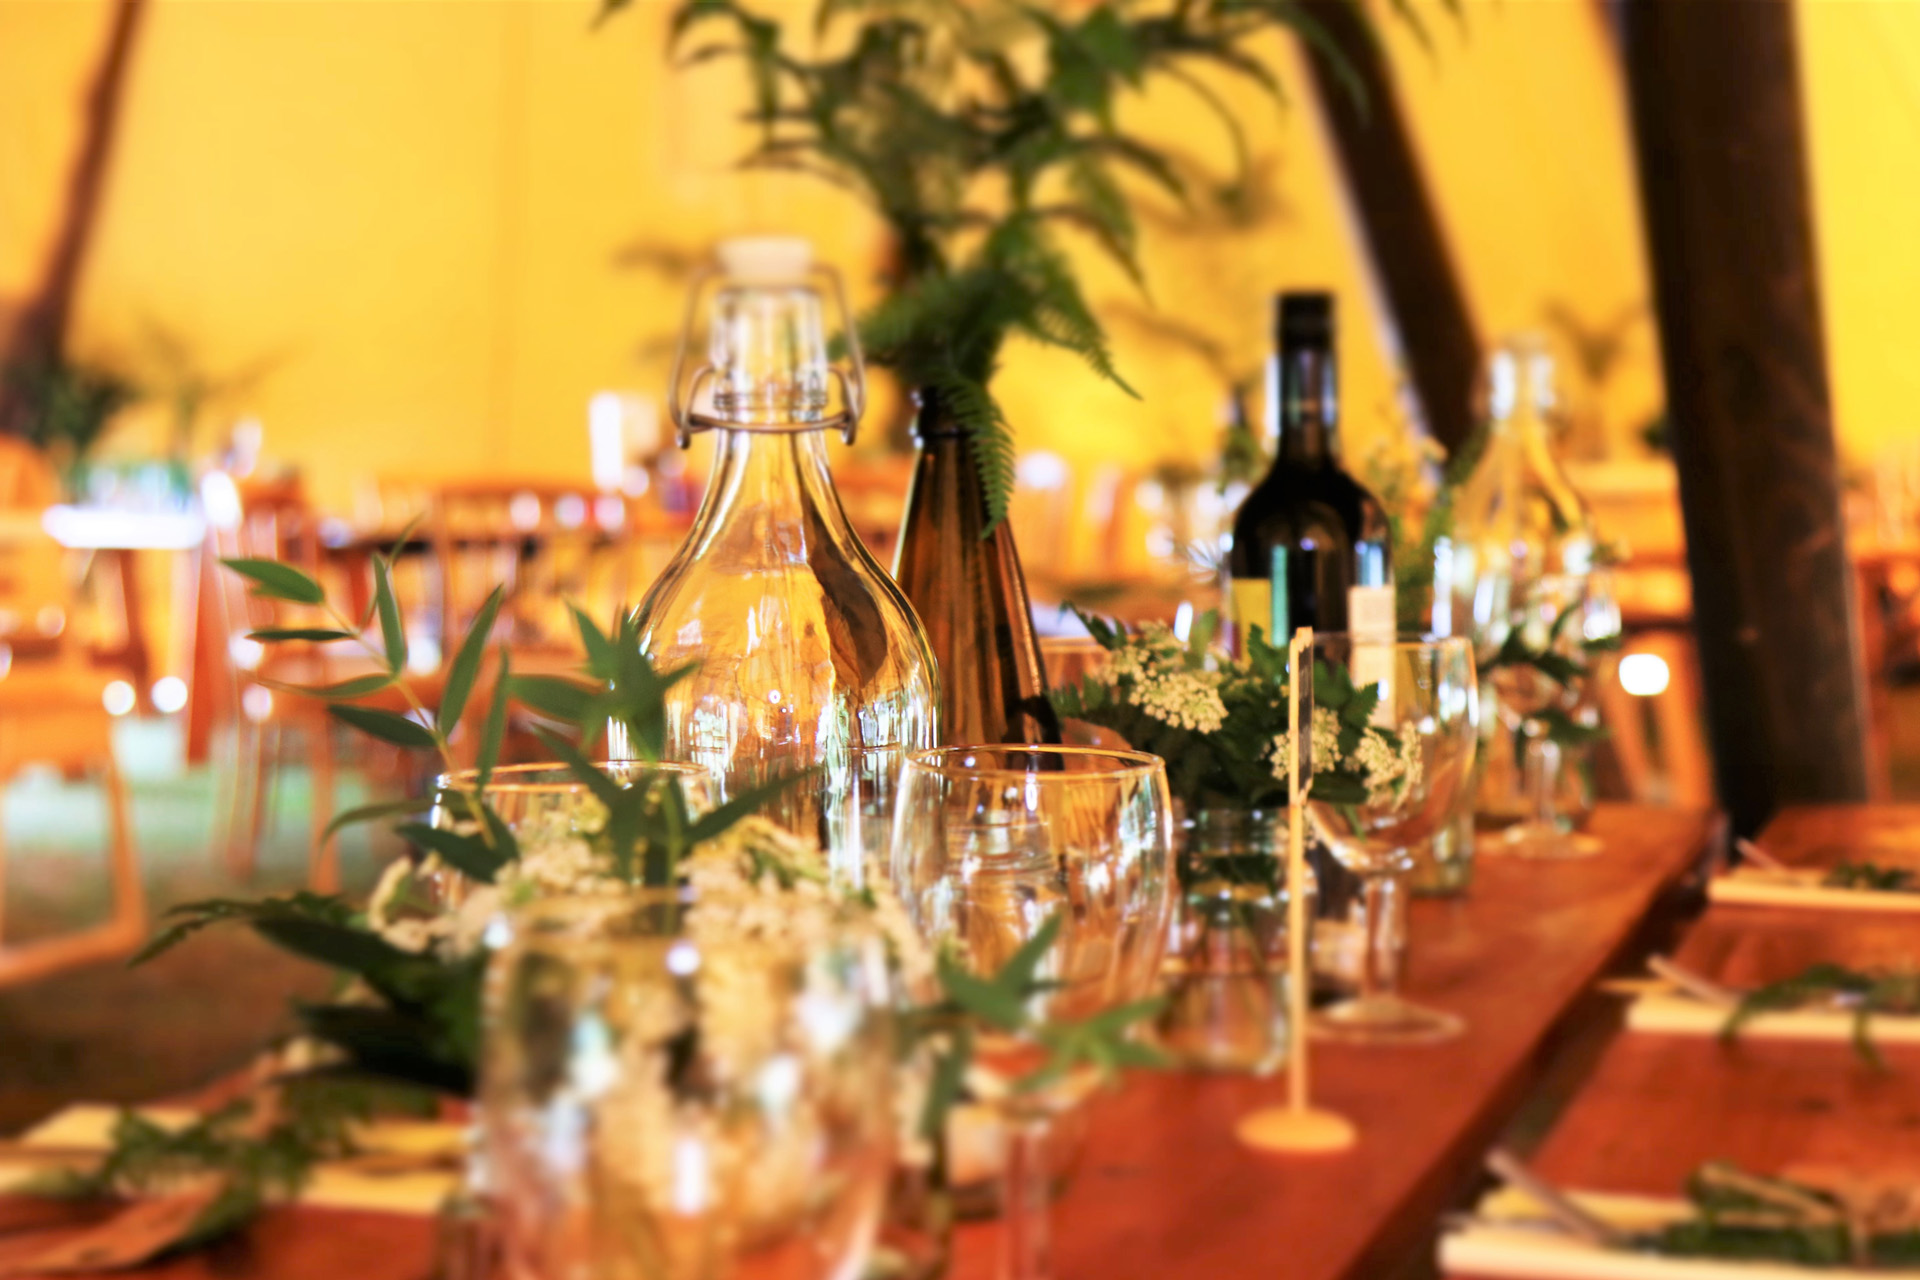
{"x":1660,"y":1105}
{"x":1163,"y":1189}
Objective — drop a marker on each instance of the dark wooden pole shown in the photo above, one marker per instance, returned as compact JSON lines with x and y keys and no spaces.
{"x":1397,"y":216}
{"x":39,"y":332}
{"x":1717,"y":122}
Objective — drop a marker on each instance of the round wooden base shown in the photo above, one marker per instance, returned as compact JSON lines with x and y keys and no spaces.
{"x":1289,"y":1132}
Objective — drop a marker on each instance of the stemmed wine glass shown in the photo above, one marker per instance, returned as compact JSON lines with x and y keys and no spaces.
{"x":991,"y":843}
{"x":1539,"y":675}
{"x":1394,"y":734}
{"x":658,"y":1107}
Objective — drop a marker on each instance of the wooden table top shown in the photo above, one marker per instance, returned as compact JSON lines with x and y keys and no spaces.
{"x":1658,"y":1106}
{"x":1164,"y":1190}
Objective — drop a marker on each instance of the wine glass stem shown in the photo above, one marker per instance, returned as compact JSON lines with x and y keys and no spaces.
{"x":1543,"y":776}
{"x":1025,"y":1227}
{"x":1384,"y":902}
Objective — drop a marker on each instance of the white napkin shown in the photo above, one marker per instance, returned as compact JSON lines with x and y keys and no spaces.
{"x":89,"y":1128}
{"x":1510,"y":1235}
{"x":1762,"y":887}
{"x":1671,"y":1013}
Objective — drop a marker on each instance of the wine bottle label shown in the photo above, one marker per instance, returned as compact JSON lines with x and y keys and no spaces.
{"x":1371,"y":623}
{"x":1371,"y":613}
{"x":1250,"y":605}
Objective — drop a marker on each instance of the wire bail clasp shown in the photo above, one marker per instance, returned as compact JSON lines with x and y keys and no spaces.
{"x":767,"y":367}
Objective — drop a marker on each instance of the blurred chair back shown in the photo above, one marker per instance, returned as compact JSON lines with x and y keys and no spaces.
{"x":53,"y":711}
{"x":548,"y":544}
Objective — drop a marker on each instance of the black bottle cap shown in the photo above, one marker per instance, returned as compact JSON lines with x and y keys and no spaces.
{"x":1303,"y":319}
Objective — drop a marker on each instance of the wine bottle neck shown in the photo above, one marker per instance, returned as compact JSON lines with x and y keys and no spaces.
{"x":1303,"y":402}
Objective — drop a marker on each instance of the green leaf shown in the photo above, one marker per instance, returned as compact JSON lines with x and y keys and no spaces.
{"x":277,"y":581}
{"x":744,"y":805}
{"x":393,"y":635}
{"x":345,"y":691}
{"x":270,"y":635}
{"x":1021,"y":968}
{"x":943,"y":1089}
{"x":466,"y":664}
{"x":367,"y":812}
{"x":556,"y":696}
{"x":495,"y":730}
{"x":601,"y":657}
{"x":191,"y":917}
{"x":470,"y":855}
{"x":985,"y":1000}
{"x":604,"y":788}
{"x":386,"y":726}
{"x":337,"y":946}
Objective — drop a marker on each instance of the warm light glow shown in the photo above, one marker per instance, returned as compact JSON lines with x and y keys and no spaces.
{"x":1644,"y":675}
{"x":169,"y":694}
{"x":118,"y":698}
{"x":257,"y":703}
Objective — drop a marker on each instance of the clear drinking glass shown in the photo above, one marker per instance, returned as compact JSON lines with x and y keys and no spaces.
{"x":992,"y":842}
{"x":1549,"y":619}
{"x":537,"y":797}
{"x":658,"y":1109}
{"x":1429,"y":704}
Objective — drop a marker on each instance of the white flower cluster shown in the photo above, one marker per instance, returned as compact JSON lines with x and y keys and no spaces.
{"x":1326,"y":743}
{"x":1165,"y":687}
{"x":1391,"y":771}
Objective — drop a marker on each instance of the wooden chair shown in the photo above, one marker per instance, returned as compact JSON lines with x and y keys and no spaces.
{"x":53,"y":712}
{"x":271,"y":522}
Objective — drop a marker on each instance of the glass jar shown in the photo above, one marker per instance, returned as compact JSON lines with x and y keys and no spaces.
{"x":1226,"y":966}
{"x":802,"y":652}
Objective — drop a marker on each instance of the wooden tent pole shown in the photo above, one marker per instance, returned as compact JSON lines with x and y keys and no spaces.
{"x":40,"y":330}
{"x":1401,"y":225}
{"x":1717,"y":117}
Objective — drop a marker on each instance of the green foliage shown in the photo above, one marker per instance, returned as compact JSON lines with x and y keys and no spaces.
{"x":978,"y":158}
{"x":1233,"y":766}
{"x":411,"y":1019}
{"x":1873,"y":877}
{"x":1229,"y":767}
{"x":68,"y":405}
{"x":1011,"y":1003}
{"x":1837,"y":988}
{"x":254,"y":1150}
{"x":1745,"y":1216}
{"x":1553,"y":661}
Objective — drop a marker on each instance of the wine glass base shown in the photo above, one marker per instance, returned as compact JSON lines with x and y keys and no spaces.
{"x":1385,"y":1020}
{"x":1544,"y":843}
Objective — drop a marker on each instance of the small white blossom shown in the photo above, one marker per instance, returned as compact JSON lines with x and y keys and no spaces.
{"x":1183,"y":699}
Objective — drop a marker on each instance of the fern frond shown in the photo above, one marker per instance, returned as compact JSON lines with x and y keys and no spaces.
{"x":988,"y":435}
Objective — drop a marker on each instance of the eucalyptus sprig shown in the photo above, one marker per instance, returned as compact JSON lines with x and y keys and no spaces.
{"x":978,"y":155}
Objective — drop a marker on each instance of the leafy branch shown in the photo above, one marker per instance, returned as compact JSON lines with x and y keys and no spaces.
{"x":978,"y":157}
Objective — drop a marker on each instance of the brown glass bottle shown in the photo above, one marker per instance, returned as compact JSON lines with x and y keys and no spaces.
{"x":970,"y":594}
